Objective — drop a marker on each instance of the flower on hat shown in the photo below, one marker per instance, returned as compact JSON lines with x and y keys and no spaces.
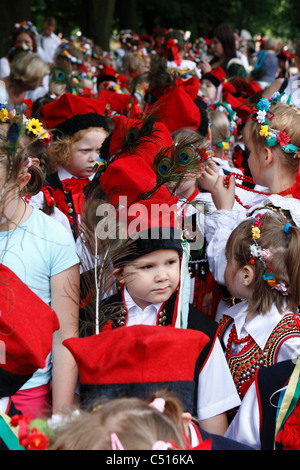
{"x":283,"y":138}
{"x":264,"y":131}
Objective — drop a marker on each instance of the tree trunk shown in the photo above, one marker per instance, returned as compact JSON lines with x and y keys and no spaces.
{"x":98,"y":20}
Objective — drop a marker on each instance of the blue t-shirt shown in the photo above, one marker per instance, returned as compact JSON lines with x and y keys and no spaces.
{"x":35,"y":251}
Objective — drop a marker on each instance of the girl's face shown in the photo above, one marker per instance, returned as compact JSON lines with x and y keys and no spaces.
{"x":217,"y":48}
{"x":24,"y":38}
{"x":85,"y":153}
{"x":152,"y":278}
{"x":234,"y":280}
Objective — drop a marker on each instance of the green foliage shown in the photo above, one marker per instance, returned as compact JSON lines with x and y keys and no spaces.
{"x":280,"y":18}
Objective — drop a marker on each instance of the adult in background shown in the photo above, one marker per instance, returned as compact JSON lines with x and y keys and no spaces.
{"x":49,"y":41}
{"x":223,"y":48}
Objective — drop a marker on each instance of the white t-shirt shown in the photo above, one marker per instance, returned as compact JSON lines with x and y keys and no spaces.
{"x":48,"y":47}
{"x":35,"y":251}
{"x":216,"y":390}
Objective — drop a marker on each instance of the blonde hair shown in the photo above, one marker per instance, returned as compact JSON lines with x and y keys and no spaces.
{"x":61,"y":148}
{"x":28,"y":69}
{"x":137,"y":425}
{"x":283,"y":118}
{"x":220,"y":130}
{"x":285,"y":248}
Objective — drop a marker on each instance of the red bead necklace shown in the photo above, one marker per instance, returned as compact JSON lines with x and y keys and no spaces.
{"x":234,"y":339}
{"x":248,"y":179}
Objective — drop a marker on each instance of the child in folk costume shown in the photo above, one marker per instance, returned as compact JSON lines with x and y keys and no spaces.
{"x":264,"y":329}
{"x":151,"y":275}
{"x":27,"y":326}
{"x":271,"y":405}
{"x":41,"y":252}
{"x":138,"y":363}
{"x":79,"y":132}
{"x":273,"y":141}
{"x":262,"y":268}
{"x":193,"y":204}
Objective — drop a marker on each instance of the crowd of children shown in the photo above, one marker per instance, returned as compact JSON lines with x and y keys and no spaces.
{"x":149,"y":245}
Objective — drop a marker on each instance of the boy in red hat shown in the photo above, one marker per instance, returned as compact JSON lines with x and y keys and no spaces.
{"x":150,"y":267}
{"x":79,"y":129}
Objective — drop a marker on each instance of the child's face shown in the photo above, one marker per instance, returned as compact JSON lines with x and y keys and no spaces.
{"x":24,"y":38}
{"x":238,"y":280}
{"x":152,"y":278}
{"x":210,"y":90}
{"x":85,"y":152}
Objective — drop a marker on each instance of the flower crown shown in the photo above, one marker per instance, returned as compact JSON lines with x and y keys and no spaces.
{"x":30,"y":126}
{"x":272,"y":136}
{"x":27,"y":25}
{"x":265,"y":255}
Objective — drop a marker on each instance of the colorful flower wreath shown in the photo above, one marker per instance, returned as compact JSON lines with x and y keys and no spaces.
{"x":27,"y":26}
{"x":265,"y":255}
{"x":272,"y":136}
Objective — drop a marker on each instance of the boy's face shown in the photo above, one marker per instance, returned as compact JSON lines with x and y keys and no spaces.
{"x":152,"y":278}
{"x":85,"y":152}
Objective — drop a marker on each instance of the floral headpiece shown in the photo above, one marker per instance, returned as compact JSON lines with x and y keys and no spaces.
{"x":63,"y":49}
{"x":27,"y":26}
{"x":272,"y":136}
{"x":31,"y":126}
{"x":265,"y":256}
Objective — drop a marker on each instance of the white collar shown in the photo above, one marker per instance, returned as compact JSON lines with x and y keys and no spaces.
{"x":64,"y":174}
{"x":259,"y":326}
{"x":135,"y":309}
{"x":287,"y":203}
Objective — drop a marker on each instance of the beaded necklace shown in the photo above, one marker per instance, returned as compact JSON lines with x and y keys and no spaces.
{"x":248,"y":179}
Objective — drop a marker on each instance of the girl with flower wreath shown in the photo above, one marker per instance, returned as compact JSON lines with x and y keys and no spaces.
{"x":264,"y":329}
{"x":272,"y":137}
{"x":42,"y":254}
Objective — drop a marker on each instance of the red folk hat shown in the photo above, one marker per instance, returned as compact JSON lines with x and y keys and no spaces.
{"x":71,"y":113}
{"x":136,"y":360}
{"x":119,"y":103}
{"x":216,"y":76}
{"x":176,"y":108}
{"x":131,"y":173}
{"x":27,"y":325}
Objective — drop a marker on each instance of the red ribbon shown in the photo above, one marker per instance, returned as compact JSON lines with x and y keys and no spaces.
{"x":76,"y":187}
{"x":48,"y":198}
{"x":172,"y":45}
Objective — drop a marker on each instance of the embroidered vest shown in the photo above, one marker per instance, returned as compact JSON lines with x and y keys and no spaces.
{"x":243,"y":365}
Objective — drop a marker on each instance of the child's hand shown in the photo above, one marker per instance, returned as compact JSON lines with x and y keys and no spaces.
{"x":204,"y":66}
{"x":208,"y":177}
{"x":223,"y":192}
